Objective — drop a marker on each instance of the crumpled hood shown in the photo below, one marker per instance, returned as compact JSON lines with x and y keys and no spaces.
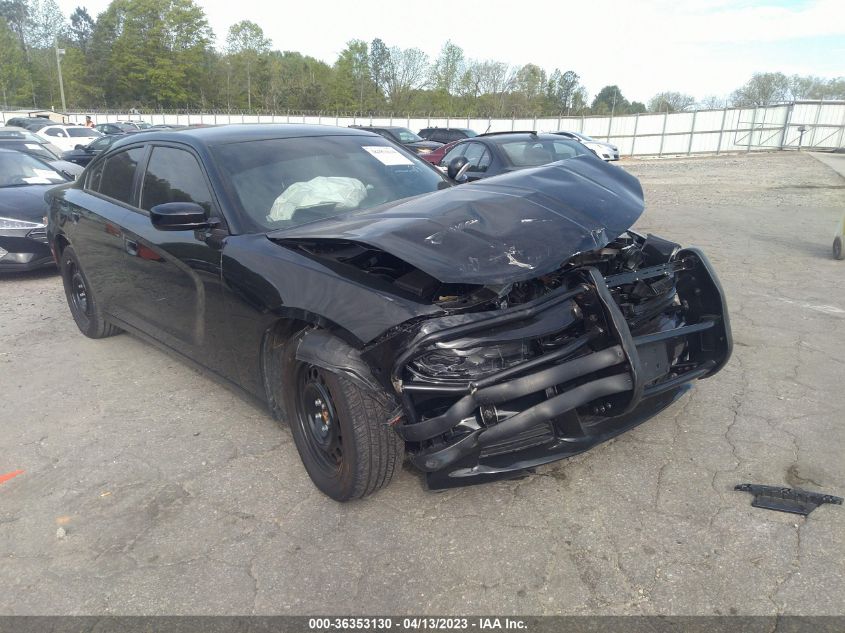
{"x":504,"y":229}
{"x":24,"y":202}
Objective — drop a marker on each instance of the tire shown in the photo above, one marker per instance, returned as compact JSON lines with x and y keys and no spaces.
{"x":83,"y":306}
{"x":339,"y":429}
{"x":837,"y":249}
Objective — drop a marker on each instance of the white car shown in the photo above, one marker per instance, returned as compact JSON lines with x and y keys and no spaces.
{"x":67,"y":137}
{"x":603,"y":150}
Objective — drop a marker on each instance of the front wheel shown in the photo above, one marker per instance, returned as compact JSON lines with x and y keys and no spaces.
{"x":340,"y":430}
{"x":837,"y":249}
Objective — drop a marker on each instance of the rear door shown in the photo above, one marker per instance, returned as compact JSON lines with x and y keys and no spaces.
{"x":91,"y":218}
{"x":177,"y":295}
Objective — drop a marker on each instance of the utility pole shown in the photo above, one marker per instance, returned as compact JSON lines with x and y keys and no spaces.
{"x":59,"y":53}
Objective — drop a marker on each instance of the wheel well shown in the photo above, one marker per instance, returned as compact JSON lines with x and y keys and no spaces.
{"x":61,"y":243}
{"x":271,"y":371}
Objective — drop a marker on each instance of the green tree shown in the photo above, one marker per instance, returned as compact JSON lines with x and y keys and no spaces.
{"x":352,"y":85}
{"x":246,"y":45}
{"x":561,"y":90}
{"x":12,"y":74}
{"x":150,"y":52}
{"x":610,"y":100}
{"x":81,"y":28}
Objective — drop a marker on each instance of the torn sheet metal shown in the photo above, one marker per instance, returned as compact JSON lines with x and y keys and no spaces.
{"x":792,"y":500}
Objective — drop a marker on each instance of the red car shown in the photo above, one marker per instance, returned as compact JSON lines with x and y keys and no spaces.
{"x":437,"y":155}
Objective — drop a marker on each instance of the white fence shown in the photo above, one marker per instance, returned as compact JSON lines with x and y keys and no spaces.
{"x":813,"y":124}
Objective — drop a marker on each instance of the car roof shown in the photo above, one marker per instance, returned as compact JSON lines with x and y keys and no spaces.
{"x":222,"y":134}
{"x":505,"y":137}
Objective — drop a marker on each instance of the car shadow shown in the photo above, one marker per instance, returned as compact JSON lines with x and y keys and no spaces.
{"x":41,"y":273}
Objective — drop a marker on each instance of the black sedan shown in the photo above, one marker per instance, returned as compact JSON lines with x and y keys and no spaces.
{"x":404,"y":137}
{"x":498,"y":153}
{"x":116,"y":128}
{"x":484,"y":328}
{"x":24,"y":180}
{"x":84,"y":154}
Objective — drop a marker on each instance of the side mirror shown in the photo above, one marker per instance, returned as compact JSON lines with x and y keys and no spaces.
{"x":179,"y":216}
{"x":78,"y":146}
{"x":457,"y":169}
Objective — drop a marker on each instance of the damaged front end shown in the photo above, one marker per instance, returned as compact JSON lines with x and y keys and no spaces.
{"x":522,"y":374}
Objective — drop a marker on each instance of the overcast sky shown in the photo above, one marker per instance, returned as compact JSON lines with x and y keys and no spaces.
{"x":700,"y":47}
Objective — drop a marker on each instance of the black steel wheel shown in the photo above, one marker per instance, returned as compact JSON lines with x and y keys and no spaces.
{"x":837,"y":248}
{"x":318,"y":421}
{"x":83,"y":307}
{"x":339,"y":428}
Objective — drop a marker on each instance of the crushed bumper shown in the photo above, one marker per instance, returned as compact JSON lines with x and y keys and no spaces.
{"x":563,"y":402}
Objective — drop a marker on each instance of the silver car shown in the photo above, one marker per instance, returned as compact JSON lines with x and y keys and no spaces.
{"x":603,"y":150}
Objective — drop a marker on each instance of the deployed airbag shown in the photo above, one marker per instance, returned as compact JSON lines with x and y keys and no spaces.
{"x":344,"y":193}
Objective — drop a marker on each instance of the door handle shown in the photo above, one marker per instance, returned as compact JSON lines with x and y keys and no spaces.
{"x":131,"y":246}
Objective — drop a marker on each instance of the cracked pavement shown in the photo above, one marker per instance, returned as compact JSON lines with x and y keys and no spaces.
{"x":178,"y":497}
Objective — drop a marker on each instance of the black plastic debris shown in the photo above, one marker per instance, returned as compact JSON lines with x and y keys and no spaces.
{"x":792,"y":500}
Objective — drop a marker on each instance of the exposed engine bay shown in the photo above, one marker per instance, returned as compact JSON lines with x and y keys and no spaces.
{"x":553,"y":364}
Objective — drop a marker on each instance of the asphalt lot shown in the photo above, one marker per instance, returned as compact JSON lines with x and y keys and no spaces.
{"x":175,"y":496}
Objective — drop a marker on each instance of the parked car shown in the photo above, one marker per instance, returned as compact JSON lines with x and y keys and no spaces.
{"x":25,"y":141}
{"x":446,"y":134}
{"x":84,"y":154}
{"x":138,"y":125}
{"x":436,"y":157}
{"x":605,"y":151}
{"x":24,"y":179}
{"x":484,"y":328}
{"x":31,"y":123}
{"x":115,"y":128}
{"x":66,"y":137}
{"x":402,"y":136}
{"x":501,"y":152}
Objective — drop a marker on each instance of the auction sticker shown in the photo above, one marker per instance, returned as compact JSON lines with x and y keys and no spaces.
{"x":387,"y":155}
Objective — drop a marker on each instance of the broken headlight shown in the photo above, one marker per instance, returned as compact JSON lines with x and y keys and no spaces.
{"x":473,"y":362}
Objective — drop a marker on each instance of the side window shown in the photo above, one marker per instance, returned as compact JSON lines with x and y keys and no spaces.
{"x":174,"y":175}
{"x":453,"y":135}
{"x":453,"y":153}
{"x":118,"y":172}
{"x":478,"y":157}
{"x":54,"y":132}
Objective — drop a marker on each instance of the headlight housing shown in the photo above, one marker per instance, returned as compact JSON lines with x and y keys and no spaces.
{"x":471,"y":363}
{"x":423,"y":150}
{"x":11,"y":224}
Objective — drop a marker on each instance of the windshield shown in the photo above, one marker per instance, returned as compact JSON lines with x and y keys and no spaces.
{"x":82,"y":131}
{"x":533,"y":153}
{"x":405,"y":135}
{"x":34,"y":149}
{"x":281,"y":183}
{"x":18,"y":169}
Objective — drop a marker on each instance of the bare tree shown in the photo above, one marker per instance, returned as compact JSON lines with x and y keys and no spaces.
{"x":762,"y":89}
{"x":407,"y":70}
{"x":670,"y":102}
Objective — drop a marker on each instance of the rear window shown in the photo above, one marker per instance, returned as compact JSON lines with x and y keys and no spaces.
{"x":533,"y":153}
{"x":118,"y":174}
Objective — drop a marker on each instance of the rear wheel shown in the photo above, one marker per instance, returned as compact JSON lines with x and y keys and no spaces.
{"x":339,"y":430}
{"x":83,"y":307}
{"x":837,"y":249}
